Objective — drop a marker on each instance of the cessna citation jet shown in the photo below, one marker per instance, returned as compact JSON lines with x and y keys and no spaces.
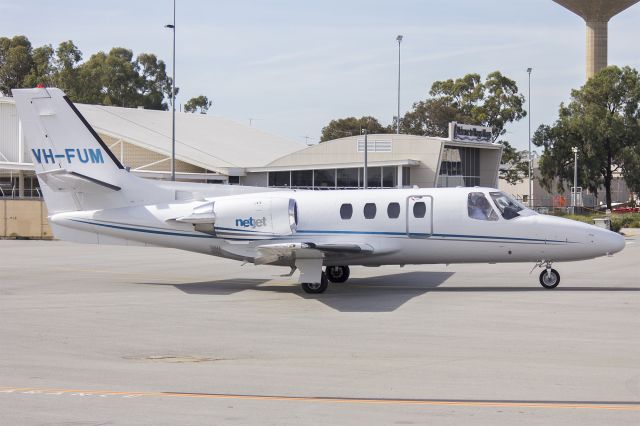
{"x":92,"y":198}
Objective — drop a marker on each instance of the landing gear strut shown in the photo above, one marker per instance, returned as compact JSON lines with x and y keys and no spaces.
{"x":337,"y":274}
{"x":549,"y":278}
{"x":316,"y":288}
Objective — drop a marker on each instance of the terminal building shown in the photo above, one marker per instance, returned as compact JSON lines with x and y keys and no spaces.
{"x":216,"y":150}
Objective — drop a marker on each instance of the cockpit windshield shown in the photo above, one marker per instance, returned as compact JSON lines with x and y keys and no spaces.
{"x":478,"y":207}
{"x":509,"y":207}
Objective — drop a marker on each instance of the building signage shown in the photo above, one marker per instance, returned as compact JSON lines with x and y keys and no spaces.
{"x":468,"y":133}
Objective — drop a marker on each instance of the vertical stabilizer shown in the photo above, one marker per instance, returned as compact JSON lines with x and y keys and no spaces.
{"x":75,"y":168}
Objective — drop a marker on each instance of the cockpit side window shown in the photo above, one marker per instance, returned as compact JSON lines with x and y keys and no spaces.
{"x":508,"y":206}
{"x":478,"y":207}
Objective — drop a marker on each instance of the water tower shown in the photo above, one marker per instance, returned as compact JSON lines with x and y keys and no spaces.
{"x":596,"y":14}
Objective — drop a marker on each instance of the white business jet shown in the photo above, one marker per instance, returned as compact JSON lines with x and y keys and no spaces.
{"x":92,"y":198}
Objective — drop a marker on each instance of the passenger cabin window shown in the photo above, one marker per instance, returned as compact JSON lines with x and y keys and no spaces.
{"x":419,"y":209}
{"x":346,"y":211}
{"x":478,"y":207}
{"x":369,"y":210}
{"x":393,"y":210}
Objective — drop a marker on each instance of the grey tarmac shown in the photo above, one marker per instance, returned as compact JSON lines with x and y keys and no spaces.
{"x":121,"y":335}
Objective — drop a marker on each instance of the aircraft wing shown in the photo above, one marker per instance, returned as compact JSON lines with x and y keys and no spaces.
{"x":269,"y":253}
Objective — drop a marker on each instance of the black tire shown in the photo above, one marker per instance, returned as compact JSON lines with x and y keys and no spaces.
{"x":338,"y":274}
{"x":316,"y":288}
{"x":550,"y":281}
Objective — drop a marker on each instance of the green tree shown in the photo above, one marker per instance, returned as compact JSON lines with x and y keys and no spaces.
{"x":351,"y":126}
{"x":153,"y":84}
{"x":15,"y":62}
{"x":65,"y":65}
{"x":493,"y":103}
{"x":514,"y":164}
{"x":41,"y":68}
{"x":602,"y":120}
{"x":199,"y":104}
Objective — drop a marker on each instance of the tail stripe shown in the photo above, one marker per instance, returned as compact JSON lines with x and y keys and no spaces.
{"x":95,"y":135}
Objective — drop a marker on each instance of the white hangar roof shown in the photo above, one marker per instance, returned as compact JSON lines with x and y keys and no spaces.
{"x":206,"y":141}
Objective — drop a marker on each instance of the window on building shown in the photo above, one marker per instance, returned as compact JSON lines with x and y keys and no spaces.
{"x":393,"y":210}
{"x":389,"y":177}
{"x":459,"y":166}
{"x":279,"y":178}
{"x":369,"y":210}
{"x":374,"y":177}
{"x":324,"y":178}
{"x":478,"y":207}
{"x":234,"y":180}
{"x":419,"y":209}
{"x":302,"y":178}
{"x":346,"y":211}
{"x":347,"y":178}
{"x":406,"y":176}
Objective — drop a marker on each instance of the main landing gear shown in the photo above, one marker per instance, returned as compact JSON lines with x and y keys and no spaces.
{"x":337,"y":274}
{"x":316,"y":288}
{"x":311,"y":269}
{"x":549,"y":278}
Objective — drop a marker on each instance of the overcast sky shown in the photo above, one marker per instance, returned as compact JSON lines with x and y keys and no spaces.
{"x":294,"y":65}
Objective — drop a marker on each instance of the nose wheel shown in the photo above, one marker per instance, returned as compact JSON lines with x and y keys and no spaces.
{"x":549,"y":278}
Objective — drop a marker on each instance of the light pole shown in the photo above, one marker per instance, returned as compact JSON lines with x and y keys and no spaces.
{"x":173,"y":96}
{"x":399,"y":40}
{"x":366,"y":152}
{"x":530,"y":159}
{"x":574,"y":193}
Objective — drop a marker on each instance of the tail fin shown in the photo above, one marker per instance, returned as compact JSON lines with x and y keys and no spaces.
{"x":75,"y":168}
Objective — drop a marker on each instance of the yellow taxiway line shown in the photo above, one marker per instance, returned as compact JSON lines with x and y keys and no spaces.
{"x":576,"y":405}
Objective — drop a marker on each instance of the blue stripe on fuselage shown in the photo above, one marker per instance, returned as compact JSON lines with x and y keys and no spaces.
{"x":480,"y":238}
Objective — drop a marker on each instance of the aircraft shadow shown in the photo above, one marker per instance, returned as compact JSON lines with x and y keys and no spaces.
{"x":372,"y":294}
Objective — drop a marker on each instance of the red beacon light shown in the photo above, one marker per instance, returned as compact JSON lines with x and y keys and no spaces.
{"x":40,"y":86}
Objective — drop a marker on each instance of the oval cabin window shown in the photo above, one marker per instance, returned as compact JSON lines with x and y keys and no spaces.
{"x":393,"y":210}
{"x":369,"y":210}
{"x":346,"y":211}
{"x":419,"y":209}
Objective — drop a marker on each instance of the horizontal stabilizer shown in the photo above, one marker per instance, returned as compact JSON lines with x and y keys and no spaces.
{"x":62,"y":180}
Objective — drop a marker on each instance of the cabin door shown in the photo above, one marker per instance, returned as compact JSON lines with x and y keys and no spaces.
{"x":419,"y":216}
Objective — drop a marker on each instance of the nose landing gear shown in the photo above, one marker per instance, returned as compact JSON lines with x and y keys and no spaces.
{"x":549,"y":278}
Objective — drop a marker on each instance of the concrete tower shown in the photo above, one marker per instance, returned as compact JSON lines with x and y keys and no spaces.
{"x":596,"y":13}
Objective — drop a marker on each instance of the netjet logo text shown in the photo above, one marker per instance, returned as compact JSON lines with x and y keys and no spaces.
{"x":81,"y":155}
{"x":251,"y":222}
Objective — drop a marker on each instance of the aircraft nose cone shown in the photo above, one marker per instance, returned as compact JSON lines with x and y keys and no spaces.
{"x":610,"y":242}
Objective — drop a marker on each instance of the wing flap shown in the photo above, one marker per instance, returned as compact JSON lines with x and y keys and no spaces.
{"x":269,"y":253}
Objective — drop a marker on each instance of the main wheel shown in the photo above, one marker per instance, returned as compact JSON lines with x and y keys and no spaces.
{"x":316,"y":288}
{"x":338,"y":274}
{"x":549,"y":280}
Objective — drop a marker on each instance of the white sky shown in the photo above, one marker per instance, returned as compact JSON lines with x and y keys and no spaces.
{"x":294,"y":65}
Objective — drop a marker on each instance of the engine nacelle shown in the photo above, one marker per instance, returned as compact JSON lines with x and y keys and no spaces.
{"x":246,"y":218}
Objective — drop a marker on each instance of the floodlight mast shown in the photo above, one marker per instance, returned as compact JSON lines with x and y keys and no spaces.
{"x":574,"y":193}
{"x":399,"y":40}
{"x":173,"y":96}
{"x":530,"y":159}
